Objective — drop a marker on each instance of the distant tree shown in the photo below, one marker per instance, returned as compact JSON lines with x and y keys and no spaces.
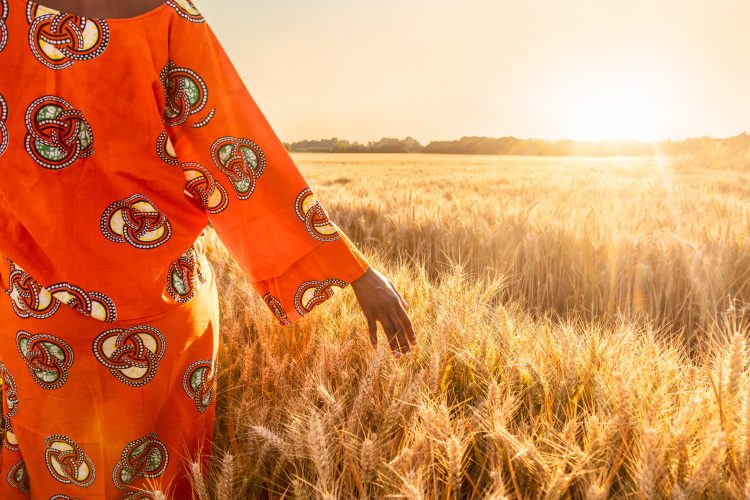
{"x":739,"y":146}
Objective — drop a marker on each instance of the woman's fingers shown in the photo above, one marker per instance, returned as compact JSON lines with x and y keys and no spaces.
{"x":372,"y":327}
{"x":406,"y":322}
{"x":395,"y":330}
{"x":382,"y":303}
{"x":402,"y":317}
{"x":390,"y":333}
{"x":403,"y":340}
{"x":398,"y":332}
{"x":404,"y":304}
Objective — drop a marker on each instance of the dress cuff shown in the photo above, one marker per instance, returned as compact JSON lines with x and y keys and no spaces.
{"x":313,"y":279}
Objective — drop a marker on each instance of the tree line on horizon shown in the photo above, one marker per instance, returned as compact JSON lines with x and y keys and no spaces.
{"x":529,"y":147}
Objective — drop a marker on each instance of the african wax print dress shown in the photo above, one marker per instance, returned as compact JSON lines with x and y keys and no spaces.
{"x":120,"y":140}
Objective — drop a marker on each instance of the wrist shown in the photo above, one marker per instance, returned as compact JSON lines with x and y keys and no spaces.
{"x":368,"y":272}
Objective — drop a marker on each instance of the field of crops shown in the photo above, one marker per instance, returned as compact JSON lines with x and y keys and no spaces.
{"x":582,"y":326}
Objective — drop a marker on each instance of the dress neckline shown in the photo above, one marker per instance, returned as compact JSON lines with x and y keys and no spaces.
{"x":108,"y":20}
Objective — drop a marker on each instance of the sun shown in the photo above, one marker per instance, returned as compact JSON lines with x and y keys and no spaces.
{"x":610,"y":104}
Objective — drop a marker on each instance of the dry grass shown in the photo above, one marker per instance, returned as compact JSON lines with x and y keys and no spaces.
{"x":582,"y":325}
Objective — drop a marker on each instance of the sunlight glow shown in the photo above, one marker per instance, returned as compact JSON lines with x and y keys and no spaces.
{"x":619,"y":105}
{"x":579,"y":69}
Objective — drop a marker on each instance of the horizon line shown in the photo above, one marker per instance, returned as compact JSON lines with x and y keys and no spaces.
{"x":595,"y":141}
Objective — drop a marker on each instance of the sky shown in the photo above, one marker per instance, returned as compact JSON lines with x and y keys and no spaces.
{"x":442,"y":69}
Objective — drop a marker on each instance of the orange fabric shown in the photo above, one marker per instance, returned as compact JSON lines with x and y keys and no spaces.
{"x":96,"y":411}
{"x":120,"y":140}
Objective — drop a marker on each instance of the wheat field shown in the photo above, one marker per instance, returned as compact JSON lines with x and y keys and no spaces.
{"x":582,"y":327}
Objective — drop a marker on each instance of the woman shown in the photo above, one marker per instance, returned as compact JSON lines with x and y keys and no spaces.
{"x":124,"y":131}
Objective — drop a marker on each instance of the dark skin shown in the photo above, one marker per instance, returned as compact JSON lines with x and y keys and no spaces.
{"x":381,"y":302}
{"x":109,"y":9}
{"x":376,"y":294}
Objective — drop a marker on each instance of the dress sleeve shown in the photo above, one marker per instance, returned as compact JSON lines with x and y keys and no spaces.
{"x":240,"y":173}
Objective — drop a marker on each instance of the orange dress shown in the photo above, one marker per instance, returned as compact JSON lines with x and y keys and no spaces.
{"x":120,"y":139}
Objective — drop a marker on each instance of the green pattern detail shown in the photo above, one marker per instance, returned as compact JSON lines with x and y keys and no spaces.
{"x":178,"y":283}
{"x":24,"y":344}
{"x":48,"y":112}
{"x":138,"y":450}
{"x":19,"y":474}
{"x":242,"y":185}
{"x":154,"y":460}
{"x":250,"y":157}
{"x":197,"y":377}
{"x":84,"y":138}
{"x":47,"y":376}
{"x":126,"y":476}
{"x":51,"y":153}
{"x":224,"y":153}
{"x":191,"y":89}
{"x":55,"y":350}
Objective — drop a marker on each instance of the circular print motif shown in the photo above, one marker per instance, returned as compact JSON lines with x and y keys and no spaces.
{"x":276,"y":308}
{"x":3,"y":25}
{"x":57,"y":135}
{"x":31,"y":300}
{"x":11,"y":393}
{"x":137,"y":221}
{"x":165,"y":149}
{"x":144,"y":457}
{"x":93,"y":304}
{"x":316,"y":220}
{"x":131,"y":355}
{"x":203,"y":187}
{"x":28,"y":298}
{"x":186,"y":94}
{"x":67,"y":462}
{"x":18,"y":478}
{"x":48,"y":357}
{"x":58,"y":39}
{"x":3,"y":126}
{"x":198,"y":383}
{"x":241,"y":160}
{"x":187,"y":9}
{"x":11,"y":407}
{"x":185,"y":276}
{"x":312,"y":293}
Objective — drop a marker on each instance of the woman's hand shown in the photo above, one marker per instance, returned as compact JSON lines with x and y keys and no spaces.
{"x":380,"y":301}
